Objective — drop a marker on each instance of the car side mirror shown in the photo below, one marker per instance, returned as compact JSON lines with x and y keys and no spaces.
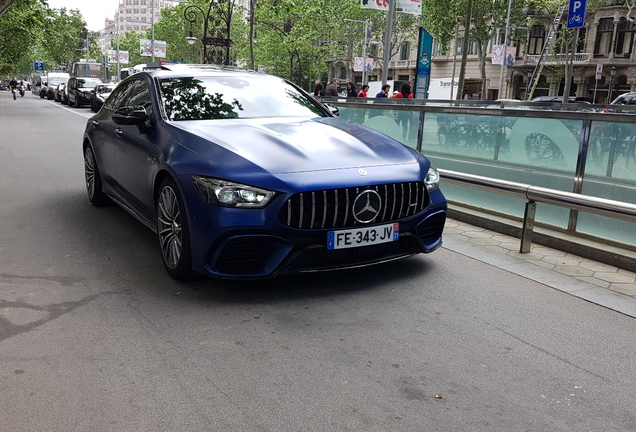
{"x":333,"y":109}
{"x":130,"y":115}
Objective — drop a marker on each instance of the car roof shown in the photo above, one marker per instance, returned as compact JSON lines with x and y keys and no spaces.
{"x":181,"y":70}
{"x":620,"y":97}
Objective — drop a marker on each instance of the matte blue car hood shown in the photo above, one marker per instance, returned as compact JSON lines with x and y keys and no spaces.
{"x":293,"y":145}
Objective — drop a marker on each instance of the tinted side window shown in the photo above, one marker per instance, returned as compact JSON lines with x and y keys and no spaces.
{"x":140,"y":96}
{"x":120,"y":96}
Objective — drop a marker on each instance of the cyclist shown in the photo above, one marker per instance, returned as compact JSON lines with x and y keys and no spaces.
{"x":13,"y":85}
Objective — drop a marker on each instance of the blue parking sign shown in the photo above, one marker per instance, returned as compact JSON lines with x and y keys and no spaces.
{"x":38,"y":65}
{"x":576,"y":13}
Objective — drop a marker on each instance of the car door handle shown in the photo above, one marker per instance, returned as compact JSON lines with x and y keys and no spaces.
{"x":119,"y":132}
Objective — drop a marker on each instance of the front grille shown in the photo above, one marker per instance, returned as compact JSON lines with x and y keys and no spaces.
{"x":331,"y":208}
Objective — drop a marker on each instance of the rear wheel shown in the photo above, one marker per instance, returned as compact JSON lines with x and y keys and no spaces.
{"x":173,"y":230}
{"x":93,"y":179}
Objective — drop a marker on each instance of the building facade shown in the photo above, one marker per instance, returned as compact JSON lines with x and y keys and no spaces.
{"x":605,"y":45}
{"x":132,"y":15}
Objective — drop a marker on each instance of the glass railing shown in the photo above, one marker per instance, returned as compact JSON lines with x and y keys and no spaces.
{"x":576,"y":148}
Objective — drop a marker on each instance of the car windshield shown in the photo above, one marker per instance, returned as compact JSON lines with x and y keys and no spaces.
{"x":223,"y":97}
{"x":87,"y":82}
{"x":104,"y":89}
{"x":55,"y":81}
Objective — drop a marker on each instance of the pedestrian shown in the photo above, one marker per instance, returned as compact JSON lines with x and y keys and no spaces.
{"x":405,"y":92}
{"x":332,"y":88}
{"x":363,"y":91}
{"x":384,"y":93}
{"x":351,"y":90}
{"x":404,"y":117}
{"x":319,"y":90}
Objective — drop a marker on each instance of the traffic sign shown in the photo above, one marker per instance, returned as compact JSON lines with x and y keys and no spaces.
{"x":576,"y":13}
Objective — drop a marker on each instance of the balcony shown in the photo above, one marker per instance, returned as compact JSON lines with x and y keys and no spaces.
{"x":559,"y":59}
{"x":402,"y":64}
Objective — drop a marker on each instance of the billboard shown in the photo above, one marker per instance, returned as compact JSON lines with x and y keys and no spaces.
{"x":359,"y":62}
{"x":413,"y":7}
{"x":145,"y":48}
{"x":498,"y":54}
{"x":124,"y":56}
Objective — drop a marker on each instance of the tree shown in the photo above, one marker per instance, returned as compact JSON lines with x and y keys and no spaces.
{"x":488,"y":19}
{"x":20,"y":26}
{"x":63,"y":42}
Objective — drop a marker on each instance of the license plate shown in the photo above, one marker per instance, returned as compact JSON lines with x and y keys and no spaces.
{"x":343,"y":239}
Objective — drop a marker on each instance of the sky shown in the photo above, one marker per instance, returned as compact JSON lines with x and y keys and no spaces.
{"x":93,"y":11}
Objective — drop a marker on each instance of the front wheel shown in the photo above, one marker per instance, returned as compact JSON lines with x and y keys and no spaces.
{"x":93,"y":179}
{"x":14,"y":97}
{"x":173,"y":230}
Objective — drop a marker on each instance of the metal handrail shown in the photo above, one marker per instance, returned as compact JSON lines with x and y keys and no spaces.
{"x":533,"y":194}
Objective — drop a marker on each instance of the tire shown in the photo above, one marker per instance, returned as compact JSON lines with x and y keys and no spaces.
{"x":173,"y":231}
{"x":69,"y":102}
{"x":93,"y":179}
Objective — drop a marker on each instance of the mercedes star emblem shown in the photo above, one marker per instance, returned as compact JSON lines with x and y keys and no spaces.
{"x":366,"y":206}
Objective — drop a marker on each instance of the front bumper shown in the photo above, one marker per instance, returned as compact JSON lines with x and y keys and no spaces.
{"x":250,"y":243}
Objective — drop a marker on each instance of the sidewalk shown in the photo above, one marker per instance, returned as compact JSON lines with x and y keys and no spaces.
{"x":596,"y":282}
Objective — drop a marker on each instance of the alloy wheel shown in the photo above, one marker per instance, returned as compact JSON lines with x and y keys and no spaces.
{"x":89,"y":172}
{"x":169,"y":226}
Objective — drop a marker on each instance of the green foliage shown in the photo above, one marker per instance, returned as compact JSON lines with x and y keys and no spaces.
{"x":130,"y":42}
{"x":30,"y":31}
{"x":20,"y":28}
{"x":187,"y":99}
{"x":61,"y":40}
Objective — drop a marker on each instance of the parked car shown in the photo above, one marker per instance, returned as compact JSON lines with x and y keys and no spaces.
{"x":625,"y":99}
{"x":50,"y":92}
{"x":78,"y":90}
{"x":60,"y":94}
{"x":245,"y":175}
{"x":559,"y":99}
{"x":99,"y":95}
{"x":49,"y":82}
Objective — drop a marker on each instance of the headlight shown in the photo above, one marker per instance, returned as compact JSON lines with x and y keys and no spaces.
{"x":229,"y":194}
{"x":432,"y":179}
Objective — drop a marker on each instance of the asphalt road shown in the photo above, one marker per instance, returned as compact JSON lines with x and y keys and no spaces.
{"x":95,"y":336}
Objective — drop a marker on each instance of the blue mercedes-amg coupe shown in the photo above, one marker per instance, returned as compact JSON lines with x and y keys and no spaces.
{"x":244,"y":175}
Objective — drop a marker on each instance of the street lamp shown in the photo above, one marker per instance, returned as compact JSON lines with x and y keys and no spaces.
{"x":216,"y":30}
{"x":505,"y":50}
{"x":364,"y":45}
{"x":191,"y":39}
{"x":613,"y":70}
